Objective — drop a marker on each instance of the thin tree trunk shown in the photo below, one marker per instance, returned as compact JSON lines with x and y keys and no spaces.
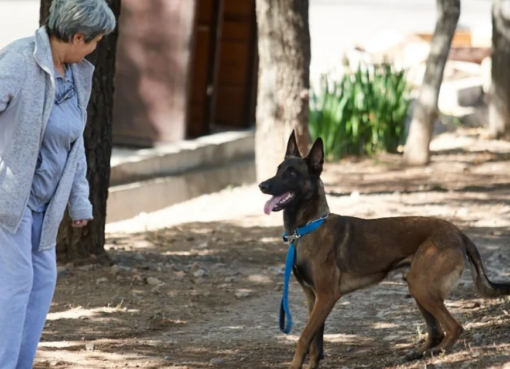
{"x":499,"y":105}
{"x":417,"y":151}
{"x":73,"y":243}
{"x":283,"y":80}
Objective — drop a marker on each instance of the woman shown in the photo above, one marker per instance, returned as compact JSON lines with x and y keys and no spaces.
{"x":45,"y":85}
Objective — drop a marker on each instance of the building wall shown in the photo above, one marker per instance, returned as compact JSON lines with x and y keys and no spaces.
{"x":152,"y":81}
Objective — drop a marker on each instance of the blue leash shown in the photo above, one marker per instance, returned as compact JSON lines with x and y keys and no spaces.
{"x":289,"y":262}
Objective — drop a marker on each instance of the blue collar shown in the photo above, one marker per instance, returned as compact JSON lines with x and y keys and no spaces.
{"x":298,"y":233}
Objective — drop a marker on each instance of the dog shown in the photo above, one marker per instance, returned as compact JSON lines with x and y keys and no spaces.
{"x":346,"y":254}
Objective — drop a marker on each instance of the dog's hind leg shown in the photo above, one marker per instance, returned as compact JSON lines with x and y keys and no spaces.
{"x":431,"y":276}
{"x":317,"y":346}
{"x":324,"y":303}
{"x":434,"y":335}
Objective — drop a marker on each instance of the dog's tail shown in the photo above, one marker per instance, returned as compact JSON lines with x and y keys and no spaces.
{"x":484,"y":286}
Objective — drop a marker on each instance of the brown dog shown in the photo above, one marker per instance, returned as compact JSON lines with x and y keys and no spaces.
{"x":346,"y":254}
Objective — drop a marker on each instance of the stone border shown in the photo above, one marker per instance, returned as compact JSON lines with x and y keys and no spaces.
{"x":147,"y":180}
{"x":128,"y":165}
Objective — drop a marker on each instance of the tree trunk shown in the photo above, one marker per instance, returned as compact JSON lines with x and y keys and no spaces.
{"x":73,"y":243}
{"x":417,"y":151}
{"x":499,"y":105}
{"x":283,"y":80}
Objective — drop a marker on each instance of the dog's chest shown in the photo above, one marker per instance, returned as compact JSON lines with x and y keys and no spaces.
{"x":301,"y":268}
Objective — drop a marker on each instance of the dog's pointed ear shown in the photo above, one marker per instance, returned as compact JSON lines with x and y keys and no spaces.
{"x":292,"y":147}
{"x":315,"y":158}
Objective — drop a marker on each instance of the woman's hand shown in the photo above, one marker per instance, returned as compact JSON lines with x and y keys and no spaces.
{"x":79,"y":223}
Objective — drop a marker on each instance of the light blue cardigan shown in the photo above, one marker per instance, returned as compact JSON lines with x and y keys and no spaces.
{"x":27,"y":93}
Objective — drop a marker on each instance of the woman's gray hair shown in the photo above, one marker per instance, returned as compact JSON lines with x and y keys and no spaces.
{"x":69,"y":17}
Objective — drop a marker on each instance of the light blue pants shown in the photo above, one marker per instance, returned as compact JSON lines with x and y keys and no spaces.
{"x":27,"y":282}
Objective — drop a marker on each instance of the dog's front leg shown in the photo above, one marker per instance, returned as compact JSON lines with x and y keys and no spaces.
{"x":324,"y":303}
{"x":316,"y":351}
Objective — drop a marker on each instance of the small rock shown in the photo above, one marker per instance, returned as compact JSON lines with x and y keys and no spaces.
{"x":174,"y":267}
{"x":242,"y":294}
{"x":124,"y":268}
{"x":151,"y":281}
{"x":70,"y":266}
{"x":391,"y":337}
{"x":203,"y":245}
{"x":276,"y":269}
{"x":229,"y":279}
{"x":61,"y":271}
{"x":139,"y":257}
{"x":199,"y":273}
{"x":54,"y":363}
{"x":90,"y":346}
{"x":168,"y":358}
{"x":88,"y":267}
{"x":381,"y":314}
{"x":114,"y":269}
{"x":137,"y":278}
{"x":207,"y":293}
{"x":83,"y":317}
{"x":199,"y":281}
{"x":473,"y":305}
{"x":101,"y":280}
{"x":195,"y":266}
{"x":216,"y":361}
{"x":477,"y":336}
{"x":180,"y":274}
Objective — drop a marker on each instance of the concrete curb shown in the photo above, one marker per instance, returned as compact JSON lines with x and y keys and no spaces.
{"x":152,"y":179}
{"x":128,"y":166}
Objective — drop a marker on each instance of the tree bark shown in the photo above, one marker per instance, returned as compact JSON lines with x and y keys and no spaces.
{"x":283,"y":80}
{"x":72,"y":243}
{"x":417,"y":151}
{"x":499,"y":104}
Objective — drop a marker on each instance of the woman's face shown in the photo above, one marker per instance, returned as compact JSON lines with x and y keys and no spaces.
{"x":80,"y":49}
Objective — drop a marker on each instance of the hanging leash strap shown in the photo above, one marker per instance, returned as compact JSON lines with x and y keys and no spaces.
{"x":289,"y":262}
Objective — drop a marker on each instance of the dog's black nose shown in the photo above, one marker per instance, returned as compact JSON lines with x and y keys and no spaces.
{"x":264,"y":187}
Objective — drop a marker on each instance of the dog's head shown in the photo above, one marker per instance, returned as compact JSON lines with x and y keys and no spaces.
{"x":296,"y":179}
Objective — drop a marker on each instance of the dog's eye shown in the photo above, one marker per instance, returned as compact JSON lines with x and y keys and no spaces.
{"x":292,"y":173}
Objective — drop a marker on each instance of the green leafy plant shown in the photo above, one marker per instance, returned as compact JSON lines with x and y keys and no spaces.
{"x":362,"y":114}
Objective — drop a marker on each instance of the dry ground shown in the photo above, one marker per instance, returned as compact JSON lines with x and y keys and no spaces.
{"x":198,"y":285}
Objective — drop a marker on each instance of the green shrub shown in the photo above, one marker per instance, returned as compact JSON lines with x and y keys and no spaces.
{"x":362,"y":114}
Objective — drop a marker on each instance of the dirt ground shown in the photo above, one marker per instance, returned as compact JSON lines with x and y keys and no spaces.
{"x":199,"y":284}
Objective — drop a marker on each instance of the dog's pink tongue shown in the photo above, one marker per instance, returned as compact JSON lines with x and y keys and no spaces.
{"x":271,"y":203}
